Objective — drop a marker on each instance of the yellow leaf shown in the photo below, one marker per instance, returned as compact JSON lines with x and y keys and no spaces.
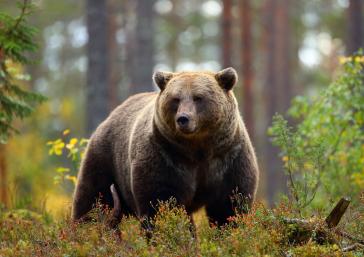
{"x":72,"y":143}
{"x":83,"y":141}
{"x":343,"y":59}
{"x":58,"y":148}
{"x":359,"y":59}
{"x":66,"y":132}
{"x":358,"y":178}
{"x":71,"y":178}
{"x":308,"y":166}
{"x":62,"y":169}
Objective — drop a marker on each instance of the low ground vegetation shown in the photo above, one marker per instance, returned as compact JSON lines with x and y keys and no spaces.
{"x":262,"y":232}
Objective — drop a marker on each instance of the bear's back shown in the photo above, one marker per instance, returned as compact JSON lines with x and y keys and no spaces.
{"x":113,"y":135}
{"x":123,"y":117}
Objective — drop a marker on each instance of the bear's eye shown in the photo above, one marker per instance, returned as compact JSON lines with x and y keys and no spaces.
{"x":197,"y":98}
{"x":175,"y":100}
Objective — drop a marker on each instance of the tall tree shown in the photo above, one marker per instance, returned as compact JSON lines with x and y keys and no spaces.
{"x":142,"y":48}
{"x":100,"y":49}
{"x":179,"y":24}
{"x":284,"y":50}
{"x":277,"y":85}
{"x":226,"y":26}
{"x":246,"y":64}
{"x":355,"y":26}
{"x":16,"y":42}
{"x":114,"y":69}
{"x":271,"y":97}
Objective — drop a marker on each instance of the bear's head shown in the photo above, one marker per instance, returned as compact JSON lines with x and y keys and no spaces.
{"x":195,"y":104}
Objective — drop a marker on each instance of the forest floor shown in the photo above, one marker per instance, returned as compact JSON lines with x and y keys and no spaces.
{"x":262,"y":232}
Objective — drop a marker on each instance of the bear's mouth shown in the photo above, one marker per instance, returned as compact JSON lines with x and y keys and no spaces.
{"x":185,"y":130}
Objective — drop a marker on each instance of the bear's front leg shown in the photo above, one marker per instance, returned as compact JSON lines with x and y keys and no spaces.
{"x":220,"y":210}
{"x":152,"y":185}
{"x":237,"y":191}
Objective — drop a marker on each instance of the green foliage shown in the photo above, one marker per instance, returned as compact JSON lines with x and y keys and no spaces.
{"x":172,"y":230}
{"x":324,"y":153}
{"x":259,"y":233}
{"x":16,"y":41}
{"x":73,"y":150}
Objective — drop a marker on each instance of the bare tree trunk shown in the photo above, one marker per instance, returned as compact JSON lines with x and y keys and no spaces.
{"x":142,"y":59}
{"x":283,"y":49}
{"x":3,"y":176}
{"x":98,"y":63}
{"x":101,"y":89}
{"x":226,"y":33}
{"x":271,"y":99}
{"x":277,"y":86}
{"x":114,"y":71}
{"x":355,"y":26}
{"x":246,"y":64}
{"x":176,"y":21}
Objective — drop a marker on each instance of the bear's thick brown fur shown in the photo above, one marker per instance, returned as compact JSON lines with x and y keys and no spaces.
{"x":188,"y":142}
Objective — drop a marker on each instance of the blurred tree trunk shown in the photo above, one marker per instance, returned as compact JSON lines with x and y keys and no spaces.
{"x":3,"y":176}
{"x":101,"y":89}
{"x":246,"y":65}
{"x":354,"y":26}
{"x":114,"y":69}
{"x":177,"y":22}
{"x":226,"y":26}
{"x":142,"y":48}
{"x":284,"y":50}
{"x":277,"y":85}
{"x":271,"y":98}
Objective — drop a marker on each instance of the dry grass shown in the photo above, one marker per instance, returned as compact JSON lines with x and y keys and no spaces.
{"x":259,"y":233}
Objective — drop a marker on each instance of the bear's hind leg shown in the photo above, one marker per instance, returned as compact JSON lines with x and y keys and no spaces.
{"x":94,"y":181}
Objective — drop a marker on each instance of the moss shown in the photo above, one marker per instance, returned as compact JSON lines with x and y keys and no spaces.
{"x":259,"y":233}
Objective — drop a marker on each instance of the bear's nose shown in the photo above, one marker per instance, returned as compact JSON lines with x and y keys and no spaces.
{"x":183,"y":120}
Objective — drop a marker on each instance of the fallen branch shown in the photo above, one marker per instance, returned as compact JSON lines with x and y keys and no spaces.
{"x":352,"y":247}
{"x":336,"y":214}
{"x":323,"y":231}
{"x":350,"y":237}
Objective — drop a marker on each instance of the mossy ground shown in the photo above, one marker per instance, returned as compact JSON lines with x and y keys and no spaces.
{"x":259,"y":233}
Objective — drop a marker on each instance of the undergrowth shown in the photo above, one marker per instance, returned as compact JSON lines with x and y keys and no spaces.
{"x":262,"y":232}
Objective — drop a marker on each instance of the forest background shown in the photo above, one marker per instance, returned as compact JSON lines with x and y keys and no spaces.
{"x":93,"y":54}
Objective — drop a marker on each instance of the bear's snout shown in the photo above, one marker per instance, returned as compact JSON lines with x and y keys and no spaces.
{"x":183,"y":120}
{"x":184,"y":123}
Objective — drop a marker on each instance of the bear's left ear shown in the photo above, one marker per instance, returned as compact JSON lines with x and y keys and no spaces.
{"x":161,"y":78}
{"x":227,"y":78}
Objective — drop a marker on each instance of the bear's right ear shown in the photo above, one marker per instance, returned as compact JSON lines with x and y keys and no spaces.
{"x":227,"y":78}
{"x":161,"y":78}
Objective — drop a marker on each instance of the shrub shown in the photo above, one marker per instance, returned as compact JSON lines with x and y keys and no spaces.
{"x":73,"y":149}
{"x":324,"y":153}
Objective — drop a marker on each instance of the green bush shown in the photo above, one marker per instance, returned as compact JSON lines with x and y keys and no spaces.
{"x":324,"y":153}
{"x":73,"y":149}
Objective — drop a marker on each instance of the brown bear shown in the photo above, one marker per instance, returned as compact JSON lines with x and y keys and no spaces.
{"x":187,"y":141}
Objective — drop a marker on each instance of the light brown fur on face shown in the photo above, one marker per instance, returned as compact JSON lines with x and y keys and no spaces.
{"x":198,"y":96}
{"x":188,"y":142}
